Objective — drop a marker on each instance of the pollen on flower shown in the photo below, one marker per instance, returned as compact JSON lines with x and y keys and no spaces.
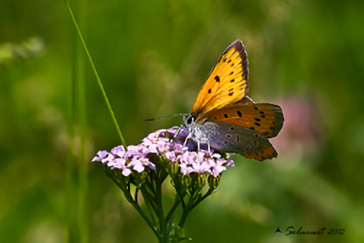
{"x":166,"y":145}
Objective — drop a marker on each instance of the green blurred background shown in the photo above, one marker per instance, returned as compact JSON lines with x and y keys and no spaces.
{"x":153,"y":57}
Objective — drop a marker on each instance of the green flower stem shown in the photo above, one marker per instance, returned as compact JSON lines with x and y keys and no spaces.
{"x":148,"y":197}
{"x":134,"y":203}
{"x":145,"y":217}
{"x":195,"y":199}
{"x":170,"y":215}
{"x":185,"y":213}
{"x":150,"y":207}
{"x":208,"y":193}
{"x":179,"y":189}
{"x":160,"y":213}
{"x":96,"y":74}
{"x":150,"y":187}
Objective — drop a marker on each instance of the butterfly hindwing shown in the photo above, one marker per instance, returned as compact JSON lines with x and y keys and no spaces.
{"x":233,"y":138}
{"x":266,"y":119}
{"x":227,"y":82}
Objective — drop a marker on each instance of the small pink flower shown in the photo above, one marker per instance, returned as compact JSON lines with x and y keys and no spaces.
{"x":100,"y":155}
{"x":162,"y":142}
{"x":186,"y":169}
{"x":118,"y":150}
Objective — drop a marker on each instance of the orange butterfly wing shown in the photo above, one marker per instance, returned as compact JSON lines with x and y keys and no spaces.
{"x":227,"y":82}
{"x":266,"y":119}
{"x":269,"y":153}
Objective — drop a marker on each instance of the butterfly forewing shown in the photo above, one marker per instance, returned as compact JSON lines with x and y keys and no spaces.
{"x":227,"y":82}
{"x":266,"y":119}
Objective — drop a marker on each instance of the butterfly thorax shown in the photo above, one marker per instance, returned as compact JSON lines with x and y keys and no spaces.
{"x":198,"y":131}
{"x":194,"y":128}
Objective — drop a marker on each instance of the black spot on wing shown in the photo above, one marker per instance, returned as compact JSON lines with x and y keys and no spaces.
{"x":231,"y":92}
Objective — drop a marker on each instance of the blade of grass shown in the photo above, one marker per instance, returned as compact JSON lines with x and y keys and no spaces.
{"x":96,"y":74}
{"x":81,"y":129}
{"x":69,"y":211}
{"x":77,"y":185}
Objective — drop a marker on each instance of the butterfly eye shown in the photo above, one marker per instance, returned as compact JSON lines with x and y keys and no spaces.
{"x":189,"y":120}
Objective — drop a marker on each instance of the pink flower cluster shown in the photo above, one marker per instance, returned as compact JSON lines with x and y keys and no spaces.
{"x":138,"y":158}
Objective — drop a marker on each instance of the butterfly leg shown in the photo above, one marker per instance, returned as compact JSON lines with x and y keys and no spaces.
{"x":175,"y":135}
{"x":205,"y":140}
{"x":186,"y":139}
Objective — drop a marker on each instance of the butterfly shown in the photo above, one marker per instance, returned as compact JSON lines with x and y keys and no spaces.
{"x":225,"y":118}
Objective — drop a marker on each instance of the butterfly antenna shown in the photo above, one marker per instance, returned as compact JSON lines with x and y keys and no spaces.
{"x":152,"y":119}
